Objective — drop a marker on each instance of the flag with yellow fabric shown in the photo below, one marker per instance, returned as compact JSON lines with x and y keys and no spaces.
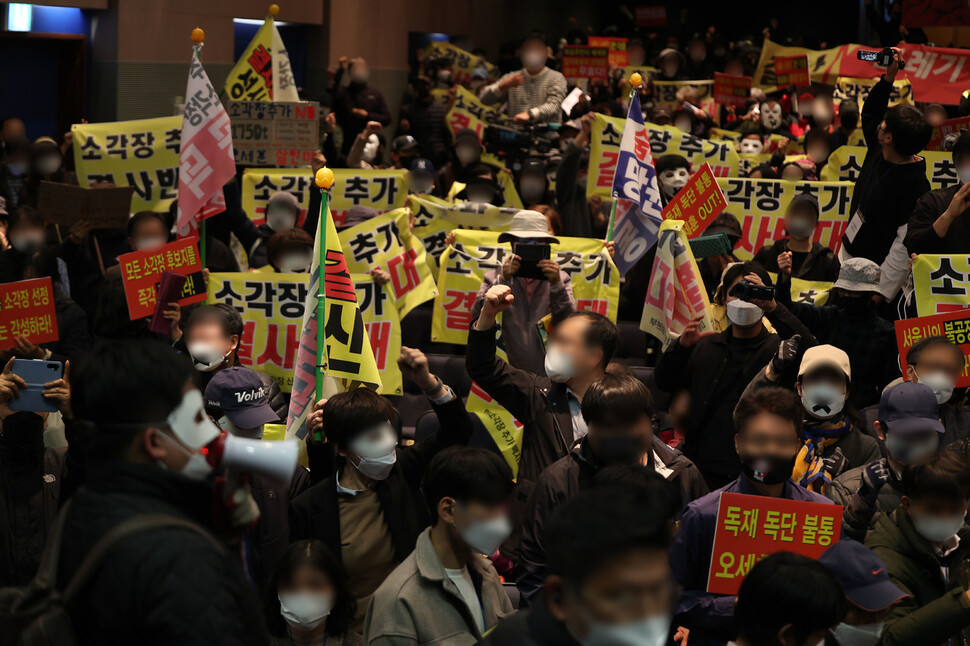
{"x":263,"y":72}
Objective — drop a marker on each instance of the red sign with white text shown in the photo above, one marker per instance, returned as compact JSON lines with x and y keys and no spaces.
{"x":955,"y":326}
{"x":792,"y":70}
{"x":27,"y":309}
{"x":697,"y":203}
{"x":585,"y":62}
{"x":731,"y":90}
{"x":141,"y":272}
{"x":750,"y":528}
{"x":617,"y":47}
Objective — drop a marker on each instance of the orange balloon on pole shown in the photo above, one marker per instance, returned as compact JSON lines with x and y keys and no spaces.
{"x":198,"y":35}
{"x":274,"y":9}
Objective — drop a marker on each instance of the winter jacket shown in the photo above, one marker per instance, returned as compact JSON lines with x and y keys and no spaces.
{"x":362,"y":96}
{"x":857,"y":523}
{"x":938,"y":610}
{"x":820,"y":264}
{"x":271,"y":535}
{"x":166,"y":586}
{"x":922,"y":238}
{"x":72,"y":328}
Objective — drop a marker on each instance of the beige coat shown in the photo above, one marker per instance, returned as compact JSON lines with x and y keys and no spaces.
{"x":419,"y":604}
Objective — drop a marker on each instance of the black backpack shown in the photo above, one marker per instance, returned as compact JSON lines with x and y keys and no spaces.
{"x":38,"y":614}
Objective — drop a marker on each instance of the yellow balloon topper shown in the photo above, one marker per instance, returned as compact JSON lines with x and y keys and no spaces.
{"x":635,"y":79}
{"x":274,"y":9}
{"x":324,"y":178}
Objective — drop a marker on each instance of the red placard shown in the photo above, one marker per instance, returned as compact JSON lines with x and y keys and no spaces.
{"x":585,"y":62}
{"x":27,"y":309}
{"x":731,"y":90}
{"x":141,"y":272}
{"x":750,"y":528}
{"x":955,"y":326}
{"x":948,"y":127}
{"x":617,"y":47}
{"x":698,"y":203}
{"x":792,"y":70}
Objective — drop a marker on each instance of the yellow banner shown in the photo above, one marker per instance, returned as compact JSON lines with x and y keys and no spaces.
{"x":386,"y":242}
{"x":845,"y":164}
{"x":383,"y":325}
{"x":760,"y":204}
{"x":604,"y":150}
{"x":382,"y":189}
{"x":595,"y":279}
{"x":823,"y":63}
{"x":857,"y":89}
{"x":665,"y":95}
{"x":468,"y":215}
{"x":468,"y":112}
{"x":942,"y":283}
{"x":142,"y":153}
{"x":506,"y":431}
{"x":506,"y":186}
{"x":813,"y":292}
{"x":462,"y":62}
{"x":263,"y":71}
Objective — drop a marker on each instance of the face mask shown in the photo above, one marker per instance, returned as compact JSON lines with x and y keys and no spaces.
{"x":683,"y":125}
{"x":771,"y":116}
{"x":531,"y":189}
{"x":206,"y":357}
{"x":649,"y":631}
{"x":672,"y":181}
{"x":48,"y":165}
{"x":866,"y":635}
{"x":18,"y":168}
{"x":485,"y":536}
{"x":751,"y":146}
{"x":27,"y":242}
{"x":559,"y":365}
{"x":823,"y":400}
{"x":910,"y":452}
{"x":189,"y":422}
{"x":359,"y":76}
{"x":421,"y":185}
{"x":800,"y":228}
{"x":938,"y":529}
{"x":941,"y":385}
{"x":251,"y":433}
{"x":370,"y":149}
{"x":619,"y":449}
{"x":963,"y":172}
{"x":294,"y":263}
{"x":670,"y":70}
{"x":279,"y":219}
{"x":196,"y":468}
{"x":147,"y":244}
{"x":533,"y":59}
{"x":466,"y":154}
{"x":768,"y":469}
{"x":305,"y":610}
{"x":377,"y":457}
{"x":743,"y":313}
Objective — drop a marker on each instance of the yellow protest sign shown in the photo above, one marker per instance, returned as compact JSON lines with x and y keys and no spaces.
{"x":594,"y":278}
{"x":941,"y":283}
{"x":665,"y":95}
{"x":386,"y":242}
{"x":272,"y":308}
{"x":467,"y":215}
{"x":382,"y":189}
{"x":383,"y":325}
{"x":845,"y":164}
{"x":604,"y":150}
{"x":813,"y":292}
{"x":506,"y":186}
{"x":263,"y":72}
{"x":823,"y":63}
{"x":506,"y":431}
{"x":760,"y":204}
{"x":462,"y":62}
{"x":857,"y":89}
{"x":468,"y":112}
{"x":143,"y":153}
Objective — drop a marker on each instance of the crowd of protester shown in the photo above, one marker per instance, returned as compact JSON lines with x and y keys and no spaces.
{"x":606,"y":533}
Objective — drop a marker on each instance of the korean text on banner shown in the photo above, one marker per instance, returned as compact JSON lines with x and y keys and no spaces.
{"x":792,"y":70}
{"x":845,"y":164}
{"x":857,"y":89}
{"x":274,"y":134}
{"x":386,"y":242}
{"x":464,"y":215}
{"x":617,"y":47}
{"x":141,"y":271}
{"x":941,"y":284}
{"x":665,"y":94}
{"x":263,"y":72}
{"x":27,"y":310}
{"x":506,"y":431}
{"x":752,"y":527}
{"x":272,"y":309}
{"x":462,"y":62}
{"x":955,"y":326}
{"x":143,"y":154}
{"x":383,"y":325}
{"x":585,"y":62}
{"x":468,"y":112}
{"x":731,"y":90}
{"x":676,"y":292}
{"x":697,"y":203}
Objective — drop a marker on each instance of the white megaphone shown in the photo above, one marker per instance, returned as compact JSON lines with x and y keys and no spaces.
{"x":276,"y":460}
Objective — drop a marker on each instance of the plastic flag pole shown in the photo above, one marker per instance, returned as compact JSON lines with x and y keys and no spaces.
{"x":198,"y":37}
{"x":324,"y":180}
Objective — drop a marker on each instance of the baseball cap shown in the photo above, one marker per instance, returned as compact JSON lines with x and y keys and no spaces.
{"x":527,"y":224}
{"x":240,"y":394}
{"x":826,"y":356}
{"x":910,"y":407}
{"x":422,"y":166}
{"x":404,"y":142}
{"x":804,"y":200}
{"x":862,"y":575}
{"x":467,"y":134}
{"x":859,"y":275}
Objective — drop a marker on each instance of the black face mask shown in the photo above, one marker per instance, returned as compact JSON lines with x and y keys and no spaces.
{"x":619,"y":449}
{"x":767,"y":469}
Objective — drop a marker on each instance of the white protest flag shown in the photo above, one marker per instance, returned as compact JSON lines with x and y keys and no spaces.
{"x":636,"y":192}
{"x":206,"y":159}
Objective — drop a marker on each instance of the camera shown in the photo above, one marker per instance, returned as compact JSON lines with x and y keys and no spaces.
{"x":882,"y":58}
{"x":515,"y":143}
{"x":749,"y":291}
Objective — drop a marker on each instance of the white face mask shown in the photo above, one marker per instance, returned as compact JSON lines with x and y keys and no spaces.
{"x":532,"y":188}
{"x":466,"y":154}
{"x":672,"y":181}
{"x":305,"y":610}
{"x":963,"y":172}
{"x":941,"y":385}
{"x":48,"y":165}
{"x":649,"y":631}
{"x":823,"y":400}
{"x":149,"y":243}
{"x":189,"y":422}
{"x":370,"y":149}
{"x":743,"y":313}
{"x":771,"y":115}
{"x":866,"y":635}
{"x":280,"y":219}
{"x":206,"y":357}
{"x":377,"y":455}
{"x":938,"y":529}
{"x":294,"y":263}
{"x":559,"y":365}
{"x":196,"y":468}
{"x":751,"y":146}
{"x":533,"y":59}
{"x":486,"y":536}
{"x":27,"y":242}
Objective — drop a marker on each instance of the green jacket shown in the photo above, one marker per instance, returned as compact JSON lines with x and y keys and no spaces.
{"x":937,"y":609}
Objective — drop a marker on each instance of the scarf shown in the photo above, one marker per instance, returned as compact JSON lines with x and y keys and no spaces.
{"x":809,"y":469}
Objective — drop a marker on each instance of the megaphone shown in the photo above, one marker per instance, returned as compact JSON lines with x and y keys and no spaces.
{"x":276,"y":460}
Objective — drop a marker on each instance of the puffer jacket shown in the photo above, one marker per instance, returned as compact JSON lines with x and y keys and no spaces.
{"x":857,"y":525}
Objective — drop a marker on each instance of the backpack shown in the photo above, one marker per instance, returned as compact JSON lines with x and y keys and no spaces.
{"x":39,"y":614}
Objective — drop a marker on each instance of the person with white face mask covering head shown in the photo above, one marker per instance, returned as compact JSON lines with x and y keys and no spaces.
{"x":609,"y":587}
{"x":751,"y":144}
{"x":798,"y":255}
{"x":938,"y":224}
{"x":868,"y":590}
{"x":447,"y":590}
{"x":533,"y":94}
{"x":368,"y":149}
{"x":373,"y":496}
{"x":673,"y":171}
{"x":925,"y":545}
{"x":315,"y":605}
{"x":144,"y":456}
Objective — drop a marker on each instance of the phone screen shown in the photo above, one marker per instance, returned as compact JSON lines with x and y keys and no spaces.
{"x":866,"y":55}
{"x":530,"y":255}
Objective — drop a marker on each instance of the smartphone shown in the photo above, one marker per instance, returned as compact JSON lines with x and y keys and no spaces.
{"x":36,"y":372}
{"x":530,"y":253}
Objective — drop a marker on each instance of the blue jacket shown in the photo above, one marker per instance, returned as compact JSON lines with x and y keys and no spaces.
{"x":710,"y":617}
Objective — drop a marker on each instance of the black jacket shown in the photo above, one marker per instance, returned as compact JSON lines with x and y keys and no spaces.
{"x":920,"y":236}
{"x":820,"y":264}
{"x":534,"y":626}
{"x":271,"y":535}
{"x":167,"y":586}
{"x":885,"y":193}
{"x":72,"y":329}
{"x":316,"y":513}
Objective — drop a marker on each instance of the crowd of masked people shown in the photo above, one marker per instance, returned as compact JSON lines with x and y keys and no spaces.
{"x":604,"y":534}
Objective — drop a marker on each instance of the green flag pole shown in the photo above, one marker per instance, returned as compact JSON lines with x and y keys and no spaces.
{"x":324,"y":180}
{"x":609,"y":231}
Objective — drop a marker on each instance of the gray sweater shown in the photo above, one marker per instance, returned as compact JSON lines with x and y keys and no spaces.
{"x":541,"y":95}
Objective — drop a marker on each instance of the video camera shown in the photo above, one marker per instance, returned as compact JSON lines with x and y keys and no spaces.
{"x":747,"y":291}
{"x":515,"y":143}
{"x":882,"y":58}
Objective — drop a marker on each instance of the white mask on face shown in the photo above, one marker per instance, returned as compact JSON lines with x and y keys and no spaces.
{"x":485,"y":536}
{"x":743,"y":313}
{"x":149,"y":243}
{"x":771,"y":115}
{"x":533,"y":59}
{"x":294,"y":263}
{"x":466,"y":154}
{"x":370,"y":149}
{"x":823,"y":400}
{"x":196,"y":467}
{"x":963,"y":172}
{"x":672,"y":181}
{"x":305,"y":610}
{"x":27,"y":242}
{"x":866,"y":635}
{"x":938,"y":529}
{"x":206,"y":357}
{"x":377,"y":455}
{"x":649,"y":631}
{"x":280,"y":219}
{"x":559,"y":365}
{"x":420,"y":184}
{"x":941,"y":385}
{"x":750,"y":146}
{"x":189,"y":422}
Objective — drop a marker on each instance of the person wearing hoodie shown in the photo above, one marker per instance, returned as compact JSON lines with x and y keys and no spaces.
{"x":797,"y":255}
{"x":282,"y":214}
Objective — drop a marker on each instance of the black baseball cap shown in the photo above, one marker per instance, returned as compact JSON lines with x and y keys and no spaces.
{"x":910,"y":407}
{"x":242,"y":396}
{"x":862,"y":575}
{"x":804,"y":199}
{"x":422,"y":166}
{"x":403,"y":143}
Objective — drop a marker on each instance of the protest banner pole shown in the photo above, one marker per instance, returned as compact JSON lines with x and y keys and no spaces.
{"x":198,"y":37}
{"x":636,"y":80}
{"x":324,"y":180}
